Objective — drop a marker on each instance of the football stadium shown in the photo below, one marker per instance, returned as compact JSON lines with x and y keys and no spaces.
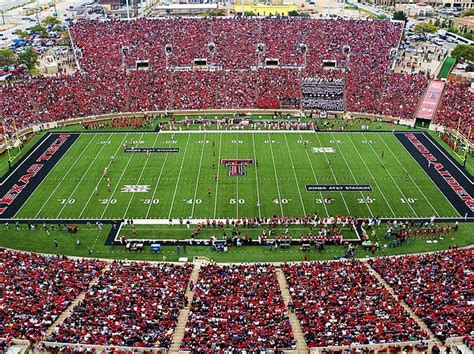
{"x":236,"y":184}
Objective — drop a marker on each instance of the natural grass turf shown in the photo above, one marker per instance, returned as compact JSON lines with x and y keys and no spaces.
{"x":179,"y":182}
{"x":92,"y":238}
{"x":181,"y":232}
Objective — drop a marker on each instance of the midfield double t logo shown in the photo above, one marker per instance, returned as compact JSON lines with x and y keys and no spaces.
{"x":236,"y":166}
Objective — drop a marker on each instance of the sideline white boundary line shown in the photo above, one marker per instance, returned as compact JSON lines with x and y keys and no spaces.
{"x":139,"y":178}
{"x":62,"y":179}
{"x":198,"y":176}
{"x":353,"y":177}
{"x":276,"y":178}
{"x":179,"y":177}
{"x":334,"y":176}
{"x":316,"y":179}
{"x":90,"y":196}
{"x":393,"y":180}
{"x":371,"y":175}
{"x":252,"y":131}
{"x":294,"y":174}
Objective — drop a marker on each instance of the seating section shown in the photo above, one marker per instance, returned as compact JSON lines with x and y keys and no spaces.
{"x":237,"y":50}
{"x":133,"y":304}
{"x":341,"y":303}
{"x":237,"y":307}
{"x":457,"y":105}
{"x":438,"y":287}
{"x":35,"y":290}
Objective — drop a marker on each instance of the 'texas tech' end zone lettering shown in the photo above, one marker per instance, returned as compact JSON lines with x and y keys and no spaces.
{"x":32,"y":171}
{"x":450,"y":180}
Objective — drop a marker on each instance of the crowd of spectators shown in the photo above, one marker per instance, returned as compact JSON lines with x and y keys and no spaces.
{"x":236,"y":49}
{"x":237,"y":307}
{"x":341,"y":303}
{"x":457,"y":106}
{"x":133,"y":304}
{"x":36,"y":289}
{"x":437,"y":286}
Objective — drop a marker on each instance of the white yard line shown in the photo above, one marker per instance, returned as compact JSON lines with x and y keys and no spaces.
{"x":100,"y":179}
{"x":371,"y":175}
{"x":353,"y":177}
{"x":315,"y":178}
{"x":411,"y":178}
{"x":179,"y":176}
{"x":140,"y":177}
{"x":218,"y":176}
{"x":158,"y":181}
{"x":391,"y":177}
{"x":120,"y":180}
{"x":64,"y":176}
{"x":237,"y":199}
{"x":199,"y":174}
{"x":294,"y":174}
{"x":276,"y":178}
{"x":83,"y":176}
{"x":256,"y":178}
{"x":333,"y":175}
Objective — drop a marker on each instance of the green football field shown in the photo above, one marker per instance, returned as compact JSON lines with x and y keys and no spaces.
{"x":164,"y":185}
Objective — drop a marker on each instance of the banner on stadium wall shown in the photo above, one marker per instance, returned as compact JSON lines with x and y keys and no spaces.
{"x":430,"y":101}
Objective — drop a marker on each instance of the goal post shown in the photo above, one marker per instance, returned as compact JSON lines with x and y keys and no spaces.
{"x":11,"y":145}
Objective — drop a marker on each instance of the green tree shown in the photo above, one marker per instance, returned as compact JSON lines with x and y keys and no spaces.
{"x":424,"y":28}
{"x":463,"y":51}
{"x":20,"y":33}
{"x":467,"y":13}
{"x":37,"y":28}
{"x":29,"y":58}
{"x":51,"y":20}
{"x":7,"y":57}
{"x":400,"y":16}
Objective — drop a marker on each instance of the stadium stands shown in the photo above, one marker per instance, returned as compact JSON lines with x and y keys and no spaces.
{"x":438,"y":287}
{"x":341,"y":303}
{"x":237,"y":307}
{"x":359,"y":51}
{"x":133,"y":304}
{"x":457,"y":105}
{"x":36,"y":289}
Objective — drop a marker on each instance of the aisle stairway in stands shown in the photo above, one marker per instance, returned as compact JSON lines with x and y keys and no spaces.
{"x":295,"y":324}
{"x":418,"y":320}
{"x":183,"y":315}
{"x":66,"y":313}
